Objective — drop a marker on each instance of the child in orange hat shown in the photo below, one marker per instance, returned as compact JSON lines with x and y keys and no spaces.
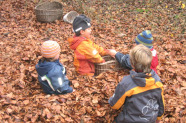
{"x":51,"y":73}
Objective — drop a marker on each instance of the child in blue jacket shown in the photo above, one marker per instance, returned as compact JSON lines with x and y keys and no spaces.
{"x":51,"y":73}
{"x":144,"y":38}
{"x":139,"y":94}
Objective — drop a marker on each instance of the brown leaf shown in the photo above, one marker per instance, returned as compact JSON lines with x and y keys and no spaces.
{"x":100,"y":76}
{"x":9,"y":110}
{"x":13,"y":101}
{"x":89,"y":109}
{"x":62,"y":100}
{"x":33,"y":119}
{"x":76,"y":85}
{"x":95,"y":99}
{"x":49,"y":115}
{"x":26,"y":102}
{"x":68,"y":119}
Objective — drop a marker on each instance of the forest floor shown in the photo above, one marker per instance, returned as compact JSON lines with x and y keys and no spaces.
{"x":115,"y":24}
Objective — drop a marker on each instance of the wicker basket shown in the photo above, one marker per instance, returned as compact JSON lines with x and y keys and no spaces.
{"x":109,"y":64}
{"x":49,"y":11}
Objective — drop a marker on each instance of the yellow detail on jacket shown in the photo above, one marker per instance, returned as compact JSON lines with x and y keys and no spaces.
{"x":140,"y":96}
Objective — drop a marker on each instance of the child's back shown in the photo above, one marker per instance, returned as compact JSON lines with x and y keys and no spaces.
{"x":141,"y":92}
{"x":51,"y":73}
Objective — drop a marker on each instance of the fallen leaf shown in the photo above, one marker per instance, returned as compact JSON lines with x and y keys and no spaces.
{"x":26,"y":102}
{"x":95,"y":99}
{"x":76,"y":85}
{"x":9,"y":110}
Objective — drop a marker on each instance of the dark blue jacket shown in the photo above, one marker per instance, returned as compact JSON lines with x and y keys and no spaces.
{"x":141,"y":98}
{"x":124,"y":60}
{"x":52,"y":77}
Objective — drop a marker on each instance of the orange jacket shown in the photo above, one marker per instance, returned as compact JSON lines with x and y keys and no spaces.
{"x":86,"y":53}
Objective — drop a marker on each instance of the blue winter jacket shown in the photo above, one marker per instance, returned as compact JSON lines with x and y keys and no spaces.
{"x":52,"y":77}
{"x":124,"y":60}
{"x":141,"y":98}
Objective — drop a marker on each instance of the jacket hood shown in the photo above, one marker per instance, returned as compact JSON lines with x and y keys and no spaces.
{"x":75,"y":41}
{"x":142,"y":79}
{"x":44,"y":67}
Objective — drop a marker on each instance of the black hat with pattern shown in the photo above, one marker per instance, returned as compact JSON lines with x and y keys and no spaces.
{"x":81,"y":22}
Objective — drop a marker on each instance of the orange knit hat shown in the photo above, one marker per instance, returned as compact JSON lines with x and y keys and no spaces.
{"x":49,"y":49}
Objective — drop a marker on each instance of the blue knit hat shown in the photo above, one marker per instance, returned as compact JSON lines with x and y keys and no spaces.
{"x":145,"y":38}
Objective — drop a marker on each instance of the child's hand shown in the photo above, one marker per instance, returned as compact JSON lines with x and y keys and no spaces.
{"x":112,"y":52}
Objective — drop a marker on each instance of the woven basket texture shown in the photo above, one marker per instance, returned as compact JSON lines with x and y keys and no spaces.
{"x":109,"y":64}
{"x":49,"y":11}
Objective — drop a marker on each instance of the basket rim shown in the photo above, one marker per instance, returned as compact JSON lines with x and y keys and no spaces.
{"x":47,"y":2}
{"x":48,"y":10}
{"x":105,"y":69}
{"x":71,"y":12}
{"x":111,"y":61}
